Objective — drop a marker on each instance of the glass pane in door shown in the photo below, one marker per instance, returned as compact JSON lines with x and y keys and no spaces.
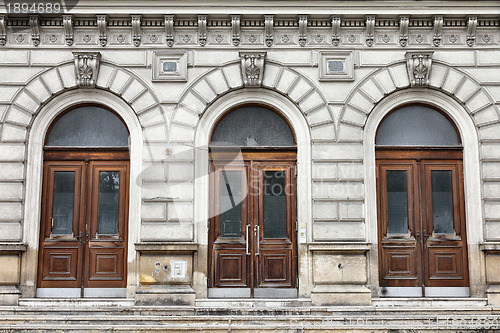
{"x":397,"y":202}
{"x":442,"y":201}
{"x":109,"y":198}
{"x":230,"y":197}
{"x":274,"y":204}
{"x":62,"y":209}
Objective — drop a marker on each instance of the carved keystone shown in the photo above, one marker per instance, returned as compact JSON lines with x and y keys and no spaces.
{"x":86,"y":68}
{"x":419,"y":67}
{"x":252,"y":68}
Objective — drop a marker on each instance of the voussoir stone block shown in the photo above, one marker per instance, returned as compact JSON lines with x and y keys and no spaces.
{"x":52,"y":80}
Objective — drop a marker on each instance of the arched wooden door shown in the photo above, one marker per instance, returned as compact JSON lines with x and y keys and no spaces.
{"x":252,"y":235}
{"x":421,"y":211}
{"x":84,"y":218}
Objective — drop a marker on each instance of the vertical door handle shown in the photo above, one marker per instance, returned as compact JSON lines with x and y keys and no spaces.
{"x":257,"y":237}
{"x":51,"y":224}
{"x":418,"y":237}
{"x":246,"y":237}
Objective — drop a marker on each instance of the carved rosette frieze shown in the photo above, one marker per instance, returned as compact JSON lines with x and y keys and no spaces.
{"x":202,"y":30}
{"x":471,"y":30}
{"x":68,"y":29}
{"x":437,"y":31}
{"x":102,"y":22}
{"x":419,"y":67}
{"x":136,"y":29}
{"x":404,"y":22}
{"x":370,"y":30}
{"x":302,"y":30}
{"x":169,"y":29}
{"x":269,"y":29}
{"x":336,"y":30}
{"x":252,"y":68}
{"x":86,"y":68}
{"x":3,"y":30}
{"x":236,"y":29}
{"x":35,"y":30}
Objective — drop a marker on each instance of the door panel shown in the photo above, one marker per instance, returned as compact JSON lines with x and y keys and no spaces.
{"x":433,"y":251}
{"x":107,"y":223}
{"x":399,"y":224}
{"x":60,"y":237}
{"x":231,"y":268}
{"x":252,"y":232}
{"x":230,"y":232}
{"x":275,"y":225}
{"x":444,"y":224}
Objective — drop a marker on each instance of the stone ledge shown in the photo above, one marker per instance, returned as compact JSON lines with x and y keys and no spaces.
{"x":490,"y":247}
{"x":165,"y":290}
{"x":165,"y":295}
{"x":339,"y":247}
{"x":12,"y":248}
{"x":162,"y":247}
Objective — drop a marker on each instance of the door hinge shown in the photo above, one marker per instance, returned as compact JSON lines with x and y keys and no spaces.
{"x":208,"y":225}
{"x":295,"y":172}
{"x":296,"y":225}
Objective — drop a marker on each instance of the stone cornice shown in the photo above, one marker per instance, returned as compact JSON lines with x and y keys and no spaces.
{"x":402,"y":30}
{"x":359,"y":7}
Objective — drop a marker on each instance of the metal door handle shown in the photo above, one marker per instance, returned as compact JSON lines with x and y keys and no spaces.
{"x":258,"y":239}
{"x":418,"y":237}
{"x":246,"y":236}
{"x":51,"y":224}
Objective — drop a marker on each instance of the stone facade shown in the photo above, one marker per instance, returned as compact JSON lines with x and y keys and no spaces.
{"x":446,"y":56}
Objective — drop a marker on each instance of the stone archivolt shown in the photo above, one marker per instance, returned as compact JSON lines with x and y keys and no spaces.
{"x":428,"y":31}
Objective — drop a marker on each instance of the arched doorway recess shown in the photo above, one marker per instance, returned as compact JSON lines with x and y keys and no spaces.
{"x":84,"y":211}
{"x":420,"y":203}
{"x":253,"y":230}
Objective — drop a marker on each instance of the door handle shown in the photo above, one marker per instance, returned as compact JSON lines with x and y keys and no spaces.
{"x":51,"y":224}
{"x":418,"y":237}
{"x":257,"y":237}
{"x":246,"y":237}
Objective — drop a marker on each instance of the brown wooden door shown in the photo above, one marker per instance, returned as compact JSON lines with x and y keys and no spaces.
{"x":422,"y":241}
{"x":252,"y":234}
{"x":84,"y":224}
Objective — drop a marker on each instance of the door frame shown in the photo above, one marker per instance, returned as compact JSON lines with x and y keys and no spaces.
{"x":108,"y":156}
{"x":412,"y":155}
{"x":279,"y":157}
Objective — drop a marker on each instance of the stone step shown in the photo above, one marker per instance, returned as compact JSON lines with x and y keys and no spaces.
{"x":76,"y":302}
{"x":406,"y":322}
{"x":428,"y":302}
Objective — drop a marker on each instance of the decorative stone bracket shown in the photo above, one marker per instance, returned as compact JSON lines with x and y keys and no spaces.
{"x":236,"y":29}
{"x":68,"y":29}
{"x":86,"y":68}
{"x":419,"y":67}
{"x":252,"y":68}
{"x":3,"y":32}
{"x":35,"y":29}
{"x":169,"y":29}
